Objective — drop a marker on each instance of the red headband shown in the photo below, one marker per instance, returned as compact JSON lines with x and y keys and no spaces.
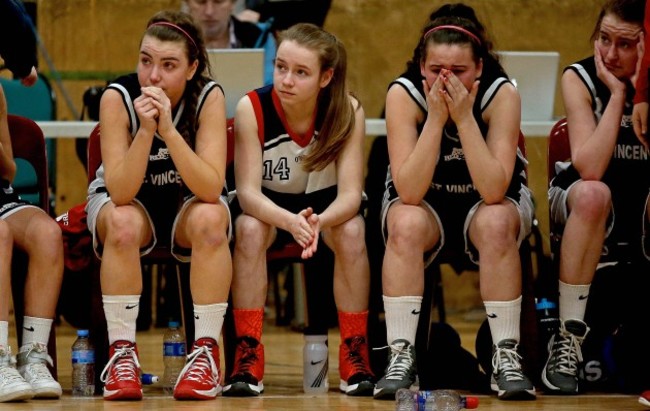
{"x":455,"y":28}
{"x":168,"y":24}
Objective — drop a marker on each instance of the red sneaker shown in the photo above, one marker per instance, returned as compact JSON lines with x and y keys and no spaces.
{"x":121,"y":376}
{"x":644,"y":399}
{"x":199,"y":379}
{"x":354,"y":367}
{"x":246,"y":378}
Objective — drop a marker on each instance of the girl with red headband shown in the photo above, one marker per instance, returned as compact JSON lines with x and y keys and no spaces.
{"x":456,"y":181}
{"x":163,"y":141}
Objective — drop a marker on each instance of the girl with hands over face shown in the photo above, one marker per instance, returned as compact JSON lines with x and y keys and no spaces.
{"x":162,"y":183}
{"x":299,"y":176}
{"x":456,"y":181}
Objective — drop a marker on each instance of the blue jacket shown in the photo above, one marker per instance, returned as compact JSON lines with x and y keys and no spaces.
{"x":17,"y":38}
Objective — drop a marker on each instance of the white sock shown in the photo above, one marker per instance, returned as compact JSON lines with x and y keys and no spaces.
{"x":36,"y":330}
{"x":4,"y":334}
{"x":208,"y":320}
{"x":402,"y":315}
{"x":121,"y":312}
{"x":503,"y":317}
{"x":573,"y":301}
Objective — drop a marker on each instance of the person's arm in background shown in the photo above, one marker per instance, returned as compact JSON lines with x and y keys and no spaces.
{"x":640,"y":114}
{"x":18,"y":41}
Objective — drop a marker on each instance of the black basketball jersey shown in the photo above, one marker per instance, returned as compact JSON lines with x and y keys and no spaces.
{"x":628,"y":172}
{"x":452,"y":182}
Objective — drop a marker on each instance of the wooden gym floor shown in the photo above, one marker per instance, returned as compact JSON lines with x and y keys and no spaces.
{"x":283,"y":381}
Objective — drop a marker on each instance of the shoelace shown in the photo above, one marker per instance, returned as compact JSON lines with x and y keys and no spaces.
{"x":200,"y":363}
{"x":41,"y":352}
{"x":568,"y":353}
{"x":354,"y":354}
{"x":126,"y":365}
{"x":247,"y":359}
{"x":507,"y":360}
{"x":401,"y":362}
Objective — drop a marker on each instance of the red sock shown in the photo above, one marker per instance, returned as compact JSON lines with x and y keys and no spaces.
{"x":249,"y":322}
{"x":353,"y":324}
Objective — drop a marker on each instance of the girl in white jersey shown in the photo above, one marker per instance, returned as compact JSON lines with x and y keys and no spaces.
{"x":299,"y":176}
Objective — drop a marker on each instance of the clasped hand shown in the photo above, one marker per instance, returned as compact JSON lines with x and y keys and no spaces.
{"x":305,"y":229}
{"x":153,"y":108}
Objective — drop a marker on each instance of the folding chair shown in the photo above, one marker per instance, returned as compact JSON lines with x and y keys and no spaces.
{"x":37,"y":103}
{"x":28,"y":144}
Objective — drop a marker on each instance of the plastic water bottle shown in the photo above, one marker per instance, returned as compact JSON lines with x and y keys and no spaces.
{"x":315,"y":365}
{"x":436,"y":400}
{"x":83,"y":366}
{"x":173,"y":355}
{"x":548,"y":320}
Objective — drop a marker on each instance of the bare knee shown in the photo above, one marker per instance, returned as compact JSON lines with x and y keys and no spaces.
{"x":349,"y":238}
{"x":251,"y":235}
{"x":495,"y":226}
{"x":207,"y":225}
{"x":124,"y":227}
{"x":406,"y":230}
{"x":590,"y":200}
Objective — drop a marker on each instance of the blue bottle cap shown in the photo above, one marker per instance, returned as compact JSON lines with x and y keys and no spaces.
{"x":82,"y":333}
{"x":174,"y":324}
{"x":544,"y":304}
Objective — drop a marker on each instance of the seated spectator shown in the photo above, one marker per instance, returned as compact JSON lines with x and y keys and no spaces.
{"x":222,"y":30}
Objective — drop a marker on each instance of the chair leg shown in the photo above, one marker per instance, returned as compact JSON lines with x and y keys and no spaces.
{"x":186,"y":302}
{"x":423,"y":330}
{"x":98,"y":328}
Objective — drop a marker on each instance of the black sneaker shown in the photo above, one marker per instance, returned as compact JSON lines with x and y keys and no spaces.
{"x":508,"y":379}
{"x":401,"y":371}
{"x":246,"y":378}
{"x":560,"y":374}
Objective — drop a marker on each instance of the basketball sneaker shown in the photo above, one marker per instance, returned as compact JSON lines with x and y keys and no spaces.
{"x":13,"y":386}
{"x":508,"y":379}
{"x":121,"y":376}
{"x":246,"y":378}
{"x":644,"y":399}
{"x":401,"y":371}
{"x":560,"y":374}
{"x":32,"y":365}
{"x":199,"y":379}
{"x":354,"y":367}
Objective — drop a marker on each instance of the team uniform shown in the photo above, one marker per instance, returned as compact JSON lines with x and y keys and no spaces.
{"x":452,"y":198}
{"x":162,"y":195}
{"x":284,"y":181}
{"x":627,"y":222}
{"x":290,"y":186}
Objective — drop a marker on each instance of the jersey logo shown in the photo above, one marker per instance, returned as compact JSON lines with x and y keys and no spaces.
{"x":456,"y":154}
{"x":163,"y":154}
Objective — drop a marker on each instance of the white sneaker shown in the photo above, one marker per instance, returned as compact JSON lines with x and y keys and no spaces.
{"x":13,"y":386}
{"x":32,"y":365}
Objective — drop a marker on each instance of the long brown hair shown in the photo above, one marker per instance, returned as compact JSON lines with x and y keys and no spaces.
{"x":182,"y":28}
{"x":338,"y":119}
